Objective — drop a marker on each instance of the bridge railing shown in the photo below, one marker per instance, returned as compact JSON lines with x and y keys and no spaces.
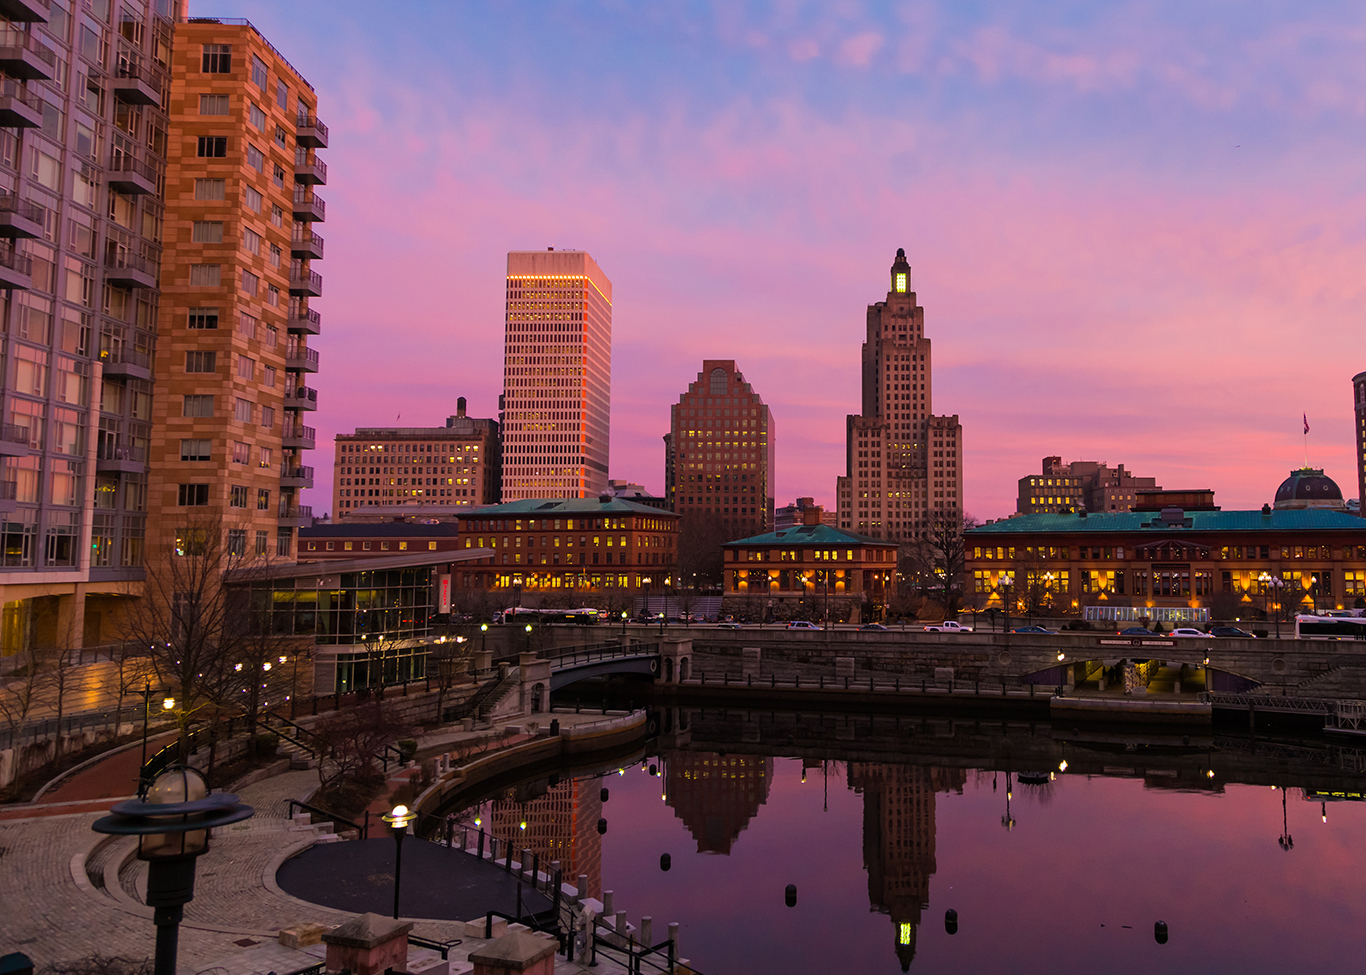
{"x":578,"y":656}
{"x":1270,"y":702}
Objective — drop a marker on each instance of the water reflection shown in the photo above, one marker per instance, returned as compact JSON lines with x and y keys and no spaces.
{"x":885,"y":816}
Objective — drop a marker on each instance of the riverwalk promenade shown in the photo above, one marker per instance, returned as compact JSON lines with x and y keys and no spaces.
{"x":71,"y":893}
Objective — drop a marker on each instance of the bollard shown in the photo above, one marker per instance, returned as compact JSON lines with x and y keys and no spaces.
{"x":673,"y":941}
{"x":622,"y":926}
{"x":583,"y":886}
{"x":1160,"y":932}
{"x":647,"y":930}
{"x":951,"y":921}
{"x":607,"y":898}
{"x":665,"y":862}
{"x":790,"y":895}
{"x":554,"y":727}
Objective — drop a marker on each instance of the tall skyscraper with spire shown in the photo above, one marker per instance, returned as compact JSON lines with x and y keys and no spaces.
{"x":903,"y":463}
{"x":556,"y":406}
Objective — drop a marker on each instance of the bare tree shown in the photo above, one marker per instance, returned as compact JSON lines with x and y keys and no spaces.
{"x":20,"y":696}
{"x":939,"y":561}
{"x":351,"y":740}
{"x":448,"y":664}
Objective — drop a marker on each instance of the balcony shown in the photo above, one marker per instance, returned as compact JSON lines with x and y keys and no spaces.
{"x":14,"y":440}
{"x":298,"y":515}
{"x":9,"y":494}
{"x":132,"y":176}
{"x":24,"y":56}
{"x":296,"y":477}
{"x":308,"y":207}
{"x":302,"y":360}
{"x":299,"y":436}
{"x":126,"y":270}
{"x":137,"y":84}
{"x":301,"y":398}
{"x":16,"y":270}
{"x":302,"y":321}
{"x":118,"y":458}
{"x":310,"y":132}
{"x":27,"y":11}
{"x":304,"y":283}
{"x":126,"y":364}
{"x":19,"y":109}
{"x":19,"y":218}
{"x":306,"y":244}
{"x":310,"y":173}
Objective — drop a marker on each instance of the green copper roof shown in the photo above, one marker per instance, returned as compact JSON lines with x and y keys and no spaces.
{"x":1192,"y":521}
{"x":566,"y":506}
{"x":810,"y":535}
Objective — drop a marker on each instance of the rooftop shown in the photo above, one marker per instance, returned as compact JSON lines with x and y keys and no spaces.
{"x":811,"y":535}
{"x":385,"y":529}
{"x":1196,"y":521}
{"x":566,"y":506}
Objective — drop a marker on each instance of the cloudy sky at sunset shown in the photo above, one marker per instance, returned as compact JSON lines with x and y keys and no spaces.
{"x":1138,"y":229}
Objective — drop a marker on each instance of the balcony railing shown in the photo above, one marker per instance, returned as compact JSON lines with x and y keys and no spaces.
{"x":302,"y":359}
{"x":295,"y":512}
{"x":292,"y":431}
{"x":304,"y":201}
{"x":305,"y":320}
{"x":9,"y":490}
{"x":130,"y":357}
{"x":297,"y":473}
{"x":308,"y":240}
{"x":301,"y":394}
{"x":117,"y":260}
{"x":20,"y":208}
{"x":311,"y":131}
{"x":13,"y":433}
{"x":15,"y":261}
{"x":124,"y":163}
{"x":107,"y":450}
{"x":12,"y":42}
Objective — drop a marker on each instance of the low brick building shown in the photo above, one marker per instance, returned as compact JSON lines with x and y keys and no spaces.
{"x":811,"y":559}
{"x":358,"y":541}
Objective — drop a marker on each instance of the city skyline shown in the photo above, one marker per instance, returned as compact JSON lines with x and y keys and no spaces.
{"x":1123,"y":215}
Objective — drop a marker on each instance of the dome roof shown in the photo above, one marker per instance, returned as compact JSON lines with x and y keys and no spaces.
{"x":1308,"y":488}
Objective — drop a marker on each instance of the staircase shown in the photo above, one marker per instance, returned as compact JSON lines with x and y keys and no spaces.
{"x":297,"y":743}
{"x":485,"y":699}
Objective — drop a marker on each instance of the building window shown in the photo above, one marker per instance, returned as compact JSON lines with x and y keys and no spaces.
{"x":256,"y":117}
{"x":242,"y":411}
{"x":277,"y":216}
{"x":256,"y":159}
{"x":206,"y":275}
{"x":213,"y":147}
{"x":193,"y":495}
{"x":262,"y":541}
{"x":282,"y":94}
{"x":279,"y":176}
{"x":263,"y":499}
{"x":198,"y":405}
{"x":210,"y":189}
{"x":246,"y":368}
{"x":281,"y":136}
{"x":252,"y":198}
{"x":251,"y":241}
{"x":237,"y":541}
{"x":265,"y":457}
{"x":207,"y":232}
{"x":258,"y":72}
{"x":237,"y":497}
{"x":268,"y":376}
{"x":250,"y":282}
{"x":201,"y":361}
{"x":202,"y":318}
{"x":213,"y":105}
{"x":268,"y":417}
{"x":194,"y":450}
{"x":283,"y":541}
{"x":272,"y":296}
{"x":217,"y":58}
{"x":241,"y":452}
{"x":275,"y":255}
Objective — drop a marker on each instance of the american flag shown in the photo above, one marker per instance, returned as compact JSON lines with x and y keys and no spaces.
{"x":1306,"y":423}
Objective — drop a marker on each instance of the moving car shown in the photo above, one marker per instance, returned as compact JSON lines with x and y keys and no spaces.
{"x":729,"y":626}
{"x":1231,"y":631}
{"x":1136,"y":631}
{"x":1031,"y":629}
{"x":1188,"y":631}
{"x":802,"y":625}
{"x":874,"y":626}
{"x":948,"y":626}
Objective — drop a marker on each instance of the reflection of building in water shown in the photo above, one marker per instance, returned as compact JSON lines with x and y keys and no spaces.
{"x":561,"y":825}
{"x":716,"y":796}
{"x":898,"y":840}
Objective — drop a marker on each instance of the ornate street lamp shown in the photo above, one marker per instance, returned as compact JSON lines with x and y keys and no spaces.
{"x":398,"y":820}
{"x":172,"y":825}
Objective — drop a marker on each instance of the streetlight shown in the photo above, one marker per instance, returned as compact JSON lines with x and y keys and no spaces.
{"x":1285,"y":840}
{"x":173,"y":826}
{"x":623,"y":624}
{"x":398,"y":820}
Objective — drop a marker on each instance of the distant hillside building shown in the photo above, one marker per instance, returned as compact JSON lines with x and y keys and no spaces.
{"x":1088,"y":484}
{"x":791,"y":515}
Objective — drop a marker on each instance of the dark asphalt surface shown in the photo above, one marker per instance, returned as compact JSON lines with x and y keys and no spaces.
{"x":358,"y":875}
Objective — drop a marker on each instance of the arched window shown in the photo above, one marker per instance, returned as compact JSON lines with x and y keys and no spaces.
{"x":718,"y":382}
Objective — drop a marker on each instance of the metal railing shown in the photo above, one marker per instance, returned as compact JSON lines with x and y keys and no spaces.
{"x":311,"y":280}
{"x":124,"y":163}
{"x":126,"y":356}
{"x":311,"y":240}
{"x":306,"y":315}
{"x":44,"y":729}
{"x":9,"y":490}
{"x":362,"y":830}
{"x":13,"y":41}
{"x":303,"y":197}
{"x":13,"y":433}
{"x":306,"y":393}
{"x":105,"y":450}
{"x":1270,"y":702}
{"x":12,"y":259}
{"x":312,"y":122}
{"x":297,"y":473}
{"x":302,"y":162}
{"x":9,"y":203}
{"x":133,"y":262}
{"x":301,"y":358}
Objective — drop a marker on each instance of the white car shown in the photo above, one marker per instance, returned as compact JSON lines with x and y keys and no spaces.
{"x":1187,"y":631}
{"x":948,"y":626}
{"x":802,"y":625}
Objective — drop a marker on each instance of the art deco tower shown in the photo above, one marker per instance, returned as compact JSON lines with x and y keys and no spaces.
{"x":557,"y":376}
{"x":903,"y":463}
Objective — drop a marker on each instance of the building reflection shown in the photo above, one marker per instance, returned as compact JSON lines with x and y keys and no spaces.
{"x":898,"y":840}
{"x":717,"y":795}
{"x":561,"y":824}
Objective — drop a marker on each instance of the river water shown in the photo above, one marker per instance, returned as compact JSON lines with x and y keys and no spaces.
{"x":883,"y":825}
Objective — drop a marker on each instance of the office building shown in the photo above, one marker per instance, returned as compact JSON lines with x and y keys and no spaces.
{"x":630,"y":491}
{"x":1089,"y":484}
{"x":238,"y":285}
{"x":903,"y":462}
{"x":716,"y":795}
{"x":414,"y":468}
{"x":722,"y":467}
{"x":557,"y":376}
{"x":792,"y":515}
{"x":363,"y":540}
{"x":83,"y":151}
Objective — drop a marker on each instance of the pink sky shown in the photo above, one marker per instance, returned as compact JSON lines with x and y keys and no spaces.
{"x":1137,"y":232}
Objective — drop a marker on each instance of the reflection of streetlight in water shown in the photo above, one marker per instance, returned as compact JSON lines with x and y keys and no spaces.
{"x":1008,"y":821}
{"x":1285,"y":840}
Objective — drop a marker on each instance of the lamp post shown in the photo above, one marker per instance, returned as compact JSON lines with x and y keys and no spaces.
{"x":173,"y":825}
{"x":623,"y":624}
{"x":398,"y":821}
{"x":167,"y":704}
{"x":1285,"y":840}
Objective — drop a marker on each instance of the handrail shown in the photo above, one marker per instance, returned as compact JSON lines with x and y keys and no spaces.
{"x":634,"y":956}
{"x":362,"y":831}
{"x":442,"y":946}
{"x":315,"y":749}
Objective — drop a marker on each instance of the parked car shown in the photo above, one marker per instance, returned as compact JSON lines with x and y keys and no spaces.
{"x":1135,"y":631}
{"x":729,"y":626}
{"x":1231,"y":631}
{"x":948,"y":626}
{"x":1031,"y":629}
{"x":878,"y":627}
{"x":802,"y":625}
{"x":1187,"y":631}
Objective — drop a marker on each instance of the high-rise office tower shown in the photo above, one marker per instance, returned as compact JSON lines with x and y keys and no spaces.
{"x":232,"y":358}
{"x":1359,"y":392}
{"x":904,"y":464}
{"x":722,"y":443}
{"x":83,"y":146}
{"x":557,"y":376}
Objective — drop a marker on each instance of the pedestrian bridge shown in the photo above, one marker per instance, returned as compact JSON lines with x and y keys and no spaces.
{"x":598,"y":660}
